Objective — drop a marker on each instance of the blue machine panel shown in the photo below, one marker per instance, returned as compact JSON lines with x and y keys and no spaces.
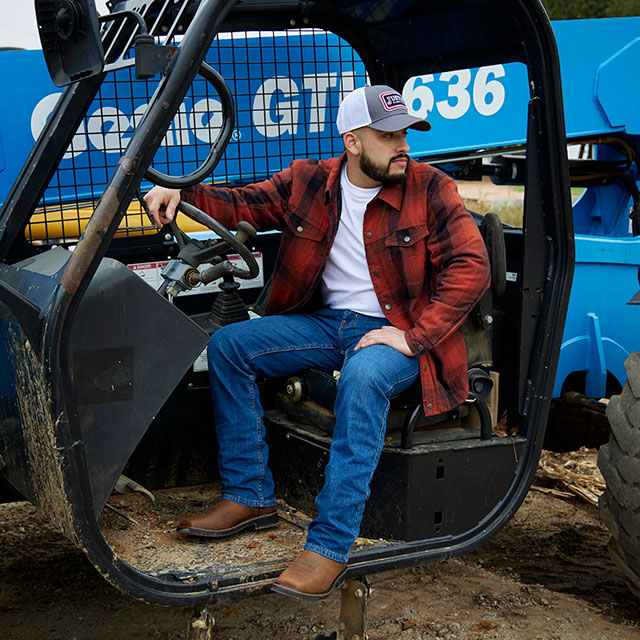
{"x":286,"y":105}
{"x":286,"y":108}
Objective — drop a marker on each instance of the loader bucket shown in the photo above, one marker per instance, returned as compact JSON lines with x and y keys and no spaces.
{"x":74,"y":406}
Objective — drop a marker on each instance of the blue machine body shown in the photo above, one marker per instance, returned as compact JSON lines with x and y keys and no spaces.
{"x":601,"y":99}
{"x":469,"y":110}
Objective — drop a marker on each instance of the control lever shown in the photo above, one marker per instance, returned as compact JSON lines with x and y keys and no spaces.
{"x":244,"y":233}
{"x":179,"y":276}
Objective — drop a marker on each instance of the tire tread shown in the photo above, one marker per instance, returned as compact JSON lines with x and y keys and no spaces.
{"x":619,"y":462}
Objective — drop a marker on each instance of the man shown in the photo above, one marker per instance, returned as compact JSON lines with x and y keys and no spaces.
{"x":378,"y":266}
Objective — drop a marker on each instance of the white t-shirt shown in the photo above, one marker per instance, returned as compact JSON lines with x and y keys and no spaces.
{"x":346,"y":283}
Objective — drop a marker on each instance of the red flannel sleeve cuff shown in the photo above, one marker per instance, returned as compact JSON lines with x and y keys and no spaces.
{"x":418,"y":344}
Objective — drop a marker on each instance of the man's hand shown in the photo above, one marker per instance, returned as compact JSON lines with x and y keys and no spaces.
{"x":388,"y":335}
{"x":162,"y":204}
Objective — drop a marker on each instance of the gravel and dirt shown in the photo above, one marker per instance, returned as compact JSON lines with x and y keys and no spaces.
{"x":546,"y":576}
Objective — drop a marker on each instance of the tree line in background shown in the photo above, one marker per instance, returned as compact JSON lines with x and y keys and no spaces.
{"x":573,"y":9}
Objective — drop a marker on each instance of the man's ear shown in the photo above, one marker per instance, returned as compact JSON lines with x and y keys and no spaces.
{"x":352,"y":143}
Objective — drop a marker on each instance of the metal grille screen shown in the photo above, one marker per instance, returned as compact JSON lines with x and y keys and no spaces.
{"x":286,"y":86}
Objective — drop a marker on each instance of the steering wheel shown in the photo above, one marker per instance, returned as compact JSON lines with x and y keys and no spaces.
{"x":195,"y":252}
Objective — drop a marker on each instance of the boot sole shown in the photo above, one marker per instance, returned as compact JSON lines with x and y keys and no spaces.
{"x":257,"y":523}
{"x":310,"y":597}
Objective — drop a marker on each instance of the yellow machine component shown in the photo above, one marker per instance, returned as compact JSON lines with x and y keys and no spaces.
{"x":67,"y":222}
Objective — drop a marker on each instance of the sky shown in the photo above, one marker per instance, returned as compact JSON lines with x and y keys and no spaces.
{"x":18,"y":24}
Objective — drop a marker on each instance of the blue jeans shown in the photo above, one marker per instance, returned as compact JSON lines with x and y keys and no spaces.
{"x":276,"y":346}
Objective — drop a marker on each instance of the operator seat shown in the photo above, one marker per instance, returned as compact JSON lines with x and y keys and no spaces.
{"x":308,"y":398}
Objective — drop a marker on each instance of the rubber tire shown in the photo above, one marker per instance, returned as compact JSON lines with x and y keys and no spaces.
{"x":619,"y":461}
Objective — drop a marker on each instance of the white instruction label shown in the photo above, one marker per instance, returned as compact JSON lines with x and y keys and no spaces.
{"x":151,"y":273}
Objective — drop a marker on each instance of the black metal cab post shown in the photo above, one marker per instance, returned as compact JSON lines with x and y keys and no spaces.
{"x":95,"y":356}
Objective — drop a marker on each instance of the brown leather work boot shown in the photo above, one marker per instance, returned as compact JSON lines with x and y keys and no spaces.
{"x":310,"y":577}
{"x":227,"y":518}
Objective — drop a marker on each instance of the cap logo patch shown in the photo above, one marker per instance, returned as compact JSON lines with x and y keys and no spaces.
{"x":392,"y":100}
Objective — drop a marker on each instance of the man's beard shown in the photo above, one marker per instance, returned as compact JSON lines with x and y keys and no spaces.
{"x":380,"y":173}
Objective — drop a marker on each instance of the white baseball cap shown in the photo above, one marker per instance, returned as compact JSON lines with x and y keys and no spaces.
{"x":379,"y":107}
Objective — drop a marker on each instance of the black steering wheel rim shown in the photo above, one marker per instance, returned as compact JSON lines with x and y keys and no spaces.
{"x":235,"y":243}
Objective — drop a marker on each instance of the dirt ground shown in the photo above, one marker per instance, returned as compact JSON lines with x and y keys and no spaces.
{"x":546,"y":576}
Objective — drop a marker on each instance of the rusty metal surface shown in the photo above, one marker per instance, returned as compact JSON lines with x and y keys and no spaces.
{"x":353,"y":609}
{"x":91,"y":240}
{"x":201,"y":625}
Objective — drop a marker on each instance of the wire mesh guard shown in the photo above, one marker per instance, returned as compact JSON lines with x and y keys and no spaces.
{"x":286,"y":87}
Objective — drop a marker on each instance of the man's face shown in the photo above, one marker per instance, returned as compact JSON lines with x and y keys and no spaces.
{"x":383,"y":155}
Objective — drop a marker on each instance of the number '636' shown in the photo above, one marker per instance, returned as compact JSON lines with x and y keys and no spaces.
{"x":487,"y":93}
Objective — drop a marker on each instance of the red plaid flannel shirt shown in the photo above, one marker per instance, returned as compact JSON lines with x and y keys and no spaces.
{"x":427,"y":260}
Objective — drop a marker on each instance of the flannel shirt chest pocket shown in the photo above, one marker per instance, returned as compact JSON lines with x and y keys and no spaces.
{"x":407,"y":249}
{"x":408,"y":237}
{"x":305,"y":229}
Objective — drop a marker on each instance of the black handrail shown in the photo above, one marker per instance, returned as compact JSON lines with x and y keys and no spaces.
{"x":408,"y":428}
{"x":228,"y":122}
